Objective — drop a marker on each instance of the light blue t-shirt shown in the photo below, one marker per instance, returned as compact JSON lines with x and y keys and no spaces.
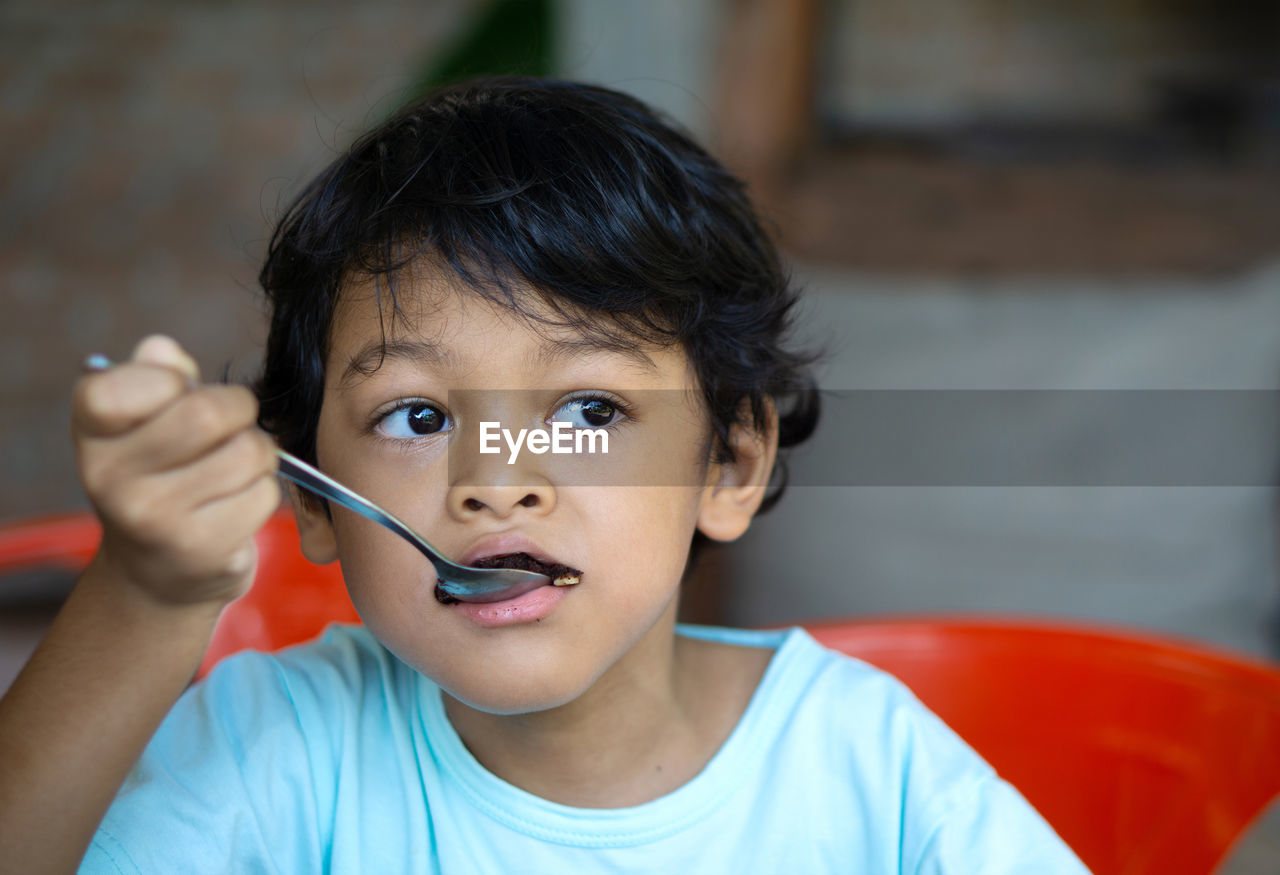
{"x":337,"y":757}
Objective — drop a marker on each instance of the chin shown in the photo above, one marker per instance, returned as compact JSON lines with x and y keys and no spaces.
{"x":518,"y":693}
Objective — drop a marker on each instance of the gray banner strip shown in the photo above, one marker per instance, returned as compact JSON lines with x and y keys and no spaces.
{"x":923,"y":438}
{"x":1043,"y":438}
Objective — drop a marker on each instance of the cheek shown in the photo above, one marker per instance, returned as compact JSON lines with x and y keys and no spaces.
{"x":646,"y":531}
{"x":385,"y":575}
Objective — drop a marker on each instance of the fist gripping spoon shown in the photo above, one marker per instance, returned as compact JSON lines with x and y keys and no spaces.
{"x":462,"y":582}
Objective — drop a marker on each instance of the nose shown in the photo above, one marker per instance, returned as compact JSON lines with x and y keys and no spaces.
{"x":482,"y":482}
{"x":469,"y":498}
{"x":500,"y":501}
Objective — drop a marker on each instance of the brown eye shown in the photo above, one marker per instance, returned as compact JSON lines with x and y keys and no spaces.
{"x":598,"y":413}
{"x":425,"y":419}
{"x":414,"y":419}
{"x":589,"y":413}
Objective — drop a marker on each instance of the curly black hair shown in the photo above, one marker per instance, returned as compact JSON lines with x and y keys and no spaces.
{"x":615,"y":218}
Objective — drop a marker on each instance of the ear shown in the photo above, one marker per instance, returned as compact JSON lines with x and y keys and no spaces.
{"x":315,"y":528}
{"x":735,"y":489}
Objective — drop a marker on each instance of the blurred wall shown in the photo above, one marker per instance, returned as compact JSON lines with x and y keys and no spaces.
{"x":146,"y":149}
{"x":937,"y":61}
{"x":661,"y":51}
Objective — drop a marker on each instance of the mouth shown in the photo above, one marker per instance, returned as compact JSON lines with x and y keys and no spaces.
{"x":558,"y":574}
{"x":561,"y":575}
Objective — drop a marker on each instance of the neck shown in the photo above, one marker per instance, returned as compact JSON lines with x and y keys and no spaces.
{"x":634,"y":735}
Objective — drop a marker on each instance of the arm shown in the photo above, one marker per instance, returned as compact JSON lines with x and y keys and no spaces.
{"x":181,"y":480}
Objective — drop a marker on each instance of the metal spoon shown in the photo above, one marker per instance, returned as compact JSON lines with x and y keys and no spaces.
{"x":463,"y":582}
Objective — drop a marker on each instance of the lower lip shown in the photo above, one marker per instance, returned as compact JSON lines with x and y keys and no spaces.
{"x":530,"y":607}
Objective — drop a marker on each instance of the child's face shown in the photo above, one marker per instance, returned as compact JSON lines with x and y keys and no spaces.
{"x":405,"y":433}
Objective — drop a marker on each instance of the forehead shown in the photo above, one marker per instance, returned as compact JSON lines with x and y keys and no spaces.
{"x":432,"y":317}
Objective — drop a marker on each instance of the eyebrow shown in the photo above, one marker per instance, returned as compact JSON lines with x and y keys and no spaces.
{"x":553,"y":350}
{"x":374,"y":353}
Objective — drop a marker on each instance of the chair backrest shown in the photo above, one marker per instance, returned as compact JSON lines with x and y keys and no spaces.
{"x":63,"y":542}
{"x":291,"y":601}
{"x":1146,"y":755}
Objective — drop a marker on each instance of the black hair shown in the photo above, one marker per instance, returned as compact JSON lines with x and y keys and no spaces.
{"x":609,"y":214}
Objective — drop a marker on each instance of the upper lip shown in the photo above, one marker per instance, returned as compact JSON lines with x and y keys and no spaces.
{"x":506,"y":544}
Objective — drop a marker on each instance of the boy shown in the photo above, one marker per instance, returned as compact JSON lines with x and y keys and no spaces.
{"x":561,"y":245}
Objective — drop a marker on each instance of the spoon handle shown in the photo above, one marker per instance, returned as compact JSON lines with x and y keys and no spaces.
{"x":313,"y":480}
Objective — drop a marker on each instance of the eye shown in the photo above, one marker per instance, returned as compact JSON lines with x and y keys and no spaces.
{"x":594,"y":411}
{"x":411,"y":419}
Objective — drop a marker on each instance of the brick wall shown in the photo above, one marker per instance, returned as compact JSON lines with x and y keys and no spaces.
{"x":146,"y":148}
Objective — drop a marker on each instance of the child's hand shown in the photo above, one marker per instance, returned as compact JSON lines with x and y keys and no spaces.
{"x":179,"y":474}
{"x":182,"y":480}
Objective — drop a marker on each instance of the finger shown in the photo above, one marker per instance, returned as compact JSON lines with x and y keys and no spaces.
{"x":209,"y":553}
{"x":193,"y":426}
{"x":162,"y":351}
{"x":227,"y":526}
{"x":227,"y":470}
{"x":244,"y":511}
{"x":112,"y":402}
{"x":161,"y":519}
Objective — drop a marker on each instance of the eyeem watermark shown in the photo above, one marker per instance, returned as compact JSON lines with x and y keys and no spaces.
{"x":563,"y":437}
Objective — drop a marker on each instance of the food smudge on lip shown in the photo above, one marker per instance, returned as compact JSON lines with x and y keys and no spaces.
{"x":560,"y":575}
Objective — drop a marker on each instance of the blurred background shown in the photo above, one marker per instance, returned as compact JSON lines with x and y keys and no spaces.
{"x":978,"y":195}
{"x":984,"y":195}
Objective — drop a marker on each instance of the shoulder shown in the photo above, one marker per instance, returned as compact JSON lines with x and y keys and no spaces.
{"x":328,"y":692}
{"x":345,"y":662}
{"x":244,"y":765}
{"x":866,"y":746}
{"x":252,"y":691}
{"x":809,"y":676}
{"x":886,"y":735}
{"x":801,"y":674}
{"x":811,"y":697}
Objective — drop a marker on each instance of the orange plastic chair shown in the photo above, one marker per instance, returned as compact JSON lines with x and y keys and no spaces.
{"x":1146,"y":755}
{"x":291,"y":601}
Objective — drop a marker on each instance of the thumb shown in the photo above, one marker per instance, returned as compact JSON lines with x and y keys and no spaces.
{"x":157,"y":349}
